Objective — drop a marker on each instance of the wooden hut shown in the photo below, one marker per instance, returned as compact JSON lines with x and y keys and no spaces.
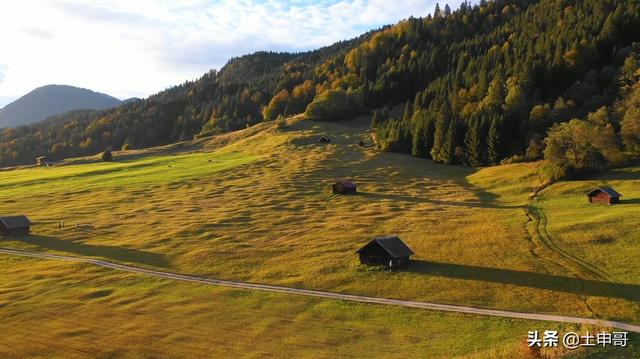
{"x":42,"y":161}
{"x":344,"y":187}
{"x":604,"y":195}
{"x":14,"y":225}
{"x":388,"y":251}
{"x":324,"y":139}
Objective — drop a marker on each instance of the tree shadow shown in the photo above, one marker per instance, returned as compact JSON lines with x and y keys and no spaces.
{"x":528,"y":279}
{"x":618,"y":175}
{"x":122,"y":254}
{"x":397,"y":197}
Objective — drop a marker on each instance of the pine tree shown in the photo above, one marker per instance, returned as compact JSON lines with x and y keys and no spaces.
{"x":437,"y":12}
{"x":418,"y":140}
{"x":473,"y":142}
{"x":429,"y":133}
{"x":375,"y":120}
{"x":449,"y":145}
{"x":407,"y":113}
{"x":447,"y":10}
{"x":440,"y":134}
{"x":493,"y":141}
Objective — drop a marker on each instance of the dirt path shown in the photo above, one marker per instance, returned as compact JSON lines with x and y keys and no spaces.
{"x":545,"y":239}
{"x":328,"y":295}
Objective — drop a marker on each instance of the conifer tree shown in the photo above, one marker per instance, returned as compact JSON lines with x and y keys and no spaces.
{"x":418,"y":140}
{"x":375,"y":119}
{"x":437,"y":12}
{"x":440,"y":134}
{"x":473,"y":142}
{"x":449,"y":145}
{"x":493,"y":141}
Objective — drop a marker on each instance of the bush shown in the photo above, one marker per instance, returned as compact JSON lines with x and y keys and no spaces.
{"x":107,"y":156}
{"x":513,"y":159}
{"x":281,"y":123}
{"x":332,"y":105}
{"x":127,"y":147}
{"x":552,"y":171}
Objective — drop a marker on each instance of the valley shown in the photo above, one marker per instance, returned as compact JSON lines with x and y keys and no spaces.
{"x":256,"y":206}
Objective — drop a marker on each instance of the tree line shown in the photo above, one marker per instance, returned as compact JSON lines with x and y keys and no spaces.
{"x":500,"y":81}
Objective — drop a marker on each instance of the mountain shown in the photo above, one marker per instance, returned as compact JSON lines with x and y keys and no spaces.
{"x":52,"y":100}
{"x":479,"y":85}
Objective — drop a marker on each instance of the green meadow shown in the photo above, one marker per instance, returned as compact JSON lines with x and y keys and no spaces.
{"x":256,"y":206}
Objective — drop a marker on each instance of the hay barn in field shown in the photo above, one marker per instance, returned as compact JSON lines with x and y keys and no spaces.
{"x":14,"y":225}
{"x":388,"y":251}
{"x":344,"y":187}
{"x":42,"y":161}
{"x":604,"y":195}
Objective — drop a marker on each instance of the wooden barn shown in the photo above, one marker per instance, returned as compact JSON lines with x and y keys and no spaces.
{"x":325,"y":139}
{"x":42,"y":161}
{"x":388,"y":251}
{"x":604,"y":195}
{"x":14,"y":226}
{"x":344,"y":187}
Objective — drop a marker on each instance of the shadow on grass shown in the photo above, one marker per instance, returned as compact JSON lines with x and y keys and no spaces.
{"x":630,"y":201}
{"x":528,"y":279}
{"x":404,"y":198}
{"x":619,"y":174}
{"x":122,"y":254}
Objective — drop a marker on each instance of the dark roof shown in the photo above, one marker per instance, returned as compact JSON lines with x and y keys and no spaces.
{"x":347,"y":184}
{"x":13,"y":222}
{"x":608,"y":190}
{"x":393,"y":245}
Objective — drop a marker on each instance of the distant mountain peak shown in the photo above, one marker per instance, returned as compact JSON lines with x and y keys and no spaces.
{"x":50,"y":100}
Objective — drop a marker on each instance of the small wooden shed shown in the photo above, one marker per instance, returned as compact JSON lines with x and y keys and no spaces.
{"x":325,"y":139}
{"x":42,"y":161}
{"x":344,"y":187}
{"x":387,"y":251}
{"x":604,"y":195}
{"x":14,"y":225}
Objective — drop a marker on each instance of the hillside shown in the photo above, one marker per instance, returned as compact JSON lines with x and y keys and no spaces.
{"x":50,"y":100}
{"x":480,"y":84}
{"x":256,"y":205}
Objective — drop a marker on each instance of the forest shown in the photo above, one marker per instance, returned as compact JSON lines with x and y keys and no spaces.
{"x":493,"y":82}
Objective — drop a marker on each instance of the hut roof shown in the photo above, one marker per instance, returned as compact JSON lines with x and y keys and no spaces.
{"x":392,"y":245}
{"x":607,"y":190}
{"x":14,"y":222}
{"x":347,"y":184}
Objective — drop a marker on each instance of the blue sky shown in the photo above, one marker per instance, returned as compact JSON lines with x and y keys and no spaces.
{"x":136,"y":48}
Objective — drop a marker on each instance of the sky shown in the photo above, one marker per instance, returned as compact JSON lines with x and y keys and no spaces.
{"x":136,"y":48}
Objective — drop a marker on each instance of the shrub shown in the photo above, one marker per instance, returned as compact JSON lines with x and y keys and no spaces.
{"x":552,"y":171}
{"x":107,"y":156}
{"x":281,"y":123}
{"x":127,"y":147}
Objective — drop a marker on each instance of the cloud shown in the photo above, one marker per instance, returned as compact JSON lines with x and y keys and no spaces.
{"x":40,"y":33}
{"x":3,"y":69}
{"x":140,"y":47}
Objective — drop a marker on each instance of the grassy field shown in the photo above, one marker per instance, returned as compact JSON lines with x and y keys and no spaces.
{"x":257,"y":206}
{"x":52,"y":309}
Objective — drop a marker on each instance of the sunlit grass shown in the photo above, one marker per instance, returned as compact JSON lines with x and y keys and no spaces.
{"x":68,"y":310}
{"x":257,"y":206}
